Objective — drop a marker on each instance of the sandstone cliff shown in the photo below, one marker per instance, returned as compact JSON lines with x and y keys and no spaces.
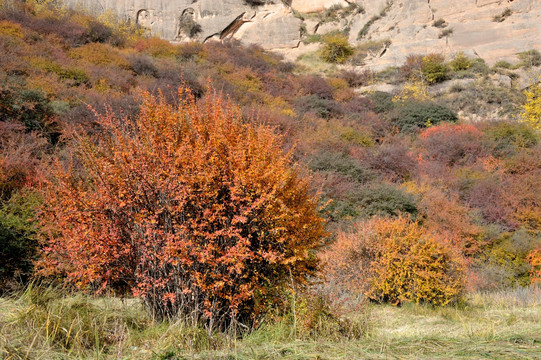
{"x":491,"y":29}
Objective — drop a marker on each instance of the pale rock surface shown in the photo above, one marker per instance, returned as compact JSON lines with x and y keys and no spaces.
{"x":308,"y":6}
{"x":273,"y":25}
{"x":407,"y":23}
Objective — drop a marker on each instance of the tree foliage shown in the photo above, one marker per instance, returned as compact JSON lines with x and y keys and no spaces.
{"x":186,"y":207}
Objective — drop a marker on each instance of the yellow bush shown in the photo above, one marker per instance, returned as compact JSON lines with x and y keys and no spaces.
{"x":396,"y":261}
{"x":415,"y":90}
{"x":434,"y":68}
{"x":7,"y":28}
{"x":338,"y":83}
{"x":336,"y":49}
{"x":531,"y":111}
{"x":127,"y":29}
{"x":461,"y":62}
{"x":413,"y":265}
{"x":47,"y":8}
{"x":157,"y":47}
{"x":100,"y":54}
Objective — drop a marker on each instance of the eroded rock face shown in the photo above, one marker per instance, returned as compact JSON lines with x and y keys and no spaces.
{"x":308,"y":6}
{"x":271,"y":25}
{"x":468,"y":25}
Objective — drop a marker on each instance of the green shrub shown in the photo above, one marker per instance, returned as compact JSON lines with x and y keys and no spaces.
{"x":383,"y":102}
{"x":530,"y":58}
{"x":410,"y":116}
{"x":445,"y":33}
{"x":99,"y":32}
{"x":440,"y":23}
{"x":18,"y":230}
{"x":434,"y":68}
{"x":384,"y":200}
{"x":357,"y":137}
{"x":366,"y":28}
{"x":460,"y":62}
{"x":479,"y":66}
{"x":504,"y":15}
{"x":312,"y":38}
{"x":30,"y":107}
{"x":323,"y":108}
{"x":506,"y":138}
{"x":336,"y":49}
{"x":502,"y":64}
{"x":504,"y":264}
{"x":337,"y":162}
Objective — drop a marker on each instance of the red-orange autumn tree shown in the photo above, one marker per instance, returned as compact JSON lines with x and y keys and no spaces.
{"x":187,"y":207}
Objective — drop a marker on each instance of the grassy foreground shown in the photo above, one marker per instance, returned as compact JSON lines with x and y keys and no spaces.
{"x":37,"y":325}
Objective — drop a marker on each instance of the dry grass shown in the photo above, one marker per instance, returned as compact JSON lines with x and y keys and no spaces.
{"x":44,"y":325}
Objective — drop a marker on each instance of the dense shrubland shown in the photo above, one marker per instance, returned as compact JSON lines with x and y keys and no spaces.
{"x":222,"y":225}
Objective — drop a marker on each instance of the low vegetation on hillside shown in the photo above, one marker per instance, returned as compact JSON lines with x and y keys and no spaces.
{"x":215,"y":200}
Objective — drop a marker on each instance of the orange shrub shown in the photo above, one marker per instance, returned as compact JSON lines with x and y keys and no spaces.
{"x":534,"y":258}
{"x":395,"y":260}
{"x":188,"y":208}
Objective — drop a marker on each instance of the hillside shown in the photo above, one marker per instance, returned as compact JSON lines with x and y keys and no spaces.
{"x":425,"y":175}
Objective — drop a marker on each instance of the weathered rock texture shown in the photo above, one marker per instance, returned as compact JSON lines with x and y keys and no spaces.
{"x":469,"y":24}
{"x":308,"y":6}
{"x":271,"y":25}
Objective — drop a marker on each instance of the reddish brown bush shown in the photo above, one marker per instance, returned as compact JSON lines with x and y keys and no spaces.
{"x":252,"y":57}
{"x":357,"y":79}
{"x":412,"y":68}
{"x":522,"y":195}
{"x":394,"y":160}
{"x":447,"y":216}
{"x":186,"y":207}
{"x":317,"y":86}
{"x":451,"y":144}
{"x":487,"y":195}
{"x":61,"y":29}
{"x":20,"y":153}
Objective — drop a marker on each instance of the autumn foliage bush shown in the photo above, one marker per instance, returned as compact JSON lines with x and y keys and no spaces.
{"x":186,"y":207}
{"x":396,"y":261}
{"x":451,"y":144}
{"x":534,"y":258}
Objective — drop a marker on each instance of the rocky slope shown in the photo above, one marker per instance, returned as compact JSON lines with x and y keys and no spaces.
{"x":491,"y":29}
